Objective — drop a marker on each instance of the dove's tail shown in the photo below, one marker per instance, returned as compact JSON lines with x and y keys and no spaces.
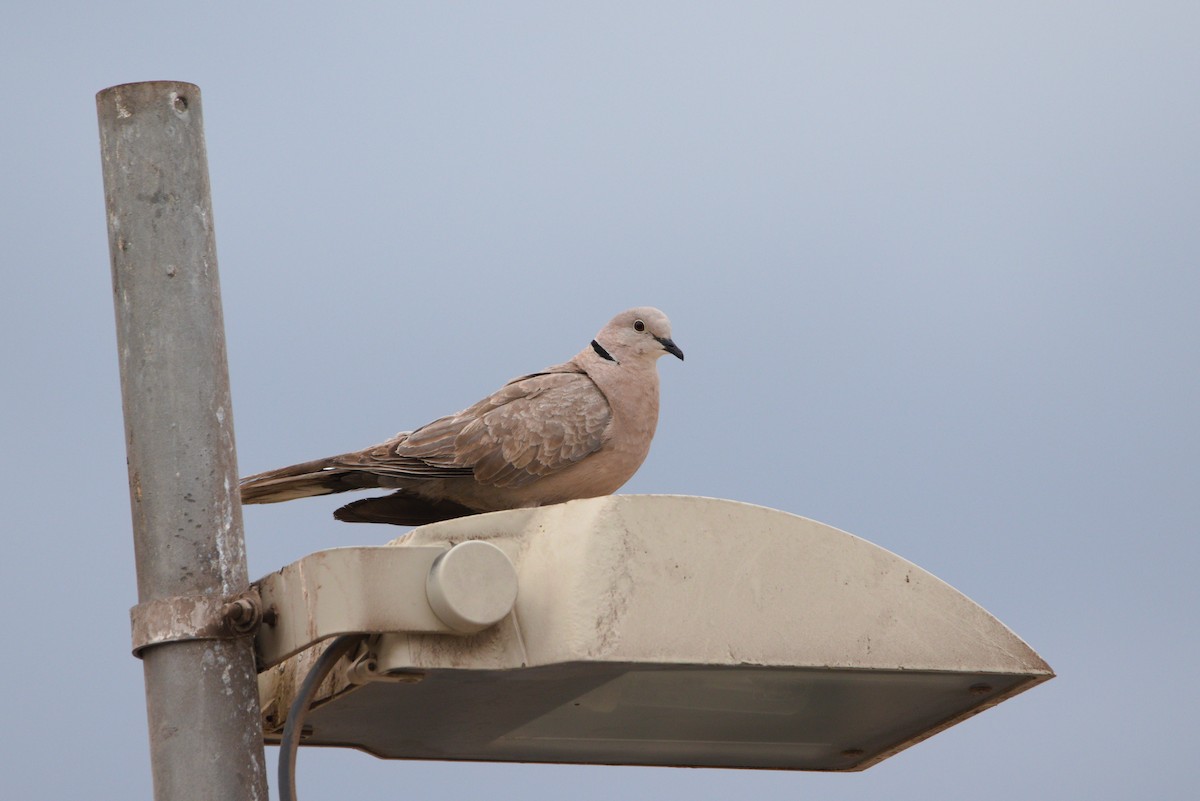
{"x":327,"y":476}
{"x":320,"y":477}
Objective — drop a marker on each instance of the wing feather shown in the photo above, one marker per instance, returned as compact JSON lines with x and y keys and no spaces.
{"x":531,"y":427}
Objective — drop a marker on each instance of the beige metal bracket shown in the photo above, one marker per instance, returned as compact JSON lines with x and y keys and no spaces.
{"x":373,"y":590}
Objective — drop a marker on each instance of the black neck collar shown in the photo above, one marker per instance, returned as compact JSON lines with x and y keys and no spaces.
{"x":601,"y":352}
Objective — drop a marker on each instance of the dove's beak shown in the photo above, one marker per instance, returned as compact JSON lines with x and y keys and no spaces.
{"x":670,"y":347}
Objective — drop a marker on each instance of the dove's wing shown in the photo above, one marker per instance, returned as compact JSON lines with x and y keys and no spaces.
{"x":530,"y":427}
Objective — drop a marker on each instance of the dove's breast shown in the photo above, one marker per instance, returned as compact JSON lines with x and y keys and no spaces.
{"x":633,"y":398}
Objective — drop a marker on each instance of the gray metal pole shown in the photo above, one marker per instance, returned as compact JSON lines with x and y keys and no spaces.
{"x":201,"y":694}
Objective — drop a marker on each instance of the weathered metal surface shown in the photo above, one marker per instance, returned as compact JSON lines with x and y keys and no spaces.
{"x":194,"y":617}
{"x":201,"y":695}
{"x":697,"y":580}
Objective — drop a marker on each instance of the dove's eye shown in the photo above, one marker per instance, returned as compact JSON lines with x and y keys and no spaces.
{"x":638,"y":325}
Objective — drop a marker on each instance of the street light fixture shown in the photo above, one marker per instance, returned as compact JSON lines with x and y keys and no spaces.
{"x":646,"y":630}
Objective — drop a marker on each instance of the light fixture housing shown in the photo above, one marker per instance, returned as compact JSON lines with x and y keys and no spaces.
{"x":659,"y":630}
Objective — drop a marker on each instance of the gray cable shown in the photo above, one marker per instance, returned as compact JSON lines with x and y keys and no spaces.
{"x":290,"y":741}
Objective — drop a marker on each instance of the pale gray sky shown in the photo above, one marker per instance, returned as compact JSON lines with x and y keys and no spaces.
{"x":936,"y":268}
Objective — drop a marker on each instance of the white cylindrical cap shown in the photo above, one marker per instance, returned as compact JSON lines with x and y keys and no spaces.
{"x":471,"y":586}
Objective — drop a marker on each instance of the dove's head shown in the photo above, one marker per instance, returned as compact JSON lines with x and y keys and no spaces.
{"x":641,"y":334}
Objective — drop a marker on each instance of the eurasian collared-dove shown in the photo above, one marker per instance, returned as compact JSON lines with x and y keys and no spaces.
{"x":576,"y":430}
